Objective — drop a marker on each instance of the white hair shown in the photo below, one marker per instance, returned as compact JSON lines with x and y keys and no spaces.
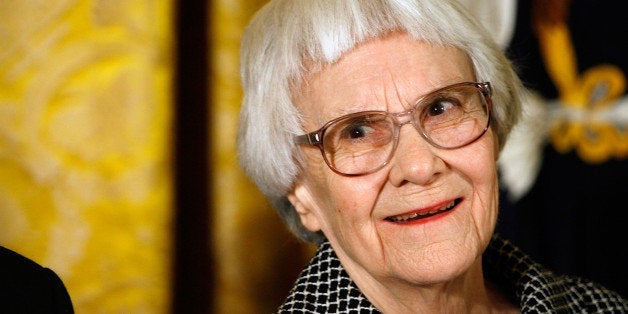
{"x":285,"y":35}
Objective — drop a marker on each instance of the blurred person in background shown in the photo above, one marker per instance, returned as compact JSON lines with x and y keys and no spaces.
{"x":27,"y":287}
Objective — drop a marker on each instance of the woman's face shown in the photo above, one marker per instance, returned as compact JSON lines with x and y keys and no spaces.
{"x":361,"y":215}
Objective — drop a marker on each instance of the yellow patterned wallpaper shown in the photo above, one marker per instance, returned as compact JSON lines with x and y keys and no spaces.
{"x":257,"y":259}
{"x":85,"y":112}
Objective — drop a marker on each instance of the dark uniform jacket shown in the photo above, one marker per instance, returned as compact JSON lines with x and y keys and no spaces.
{"x":26,"y":287}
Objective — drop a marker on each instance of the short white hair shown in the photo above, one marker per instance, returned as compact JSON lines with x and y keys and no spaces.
{"x":286,"y":36}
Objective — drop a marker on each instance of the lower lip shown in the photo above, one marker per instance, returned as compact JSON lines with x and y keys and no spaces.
{"x":423,"y":220}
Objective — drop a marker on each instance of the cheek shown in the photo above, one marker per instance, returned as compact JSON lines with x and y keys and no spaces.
{"x":349,"y":197}
{"x":339,"y":191}
{"x":482,"y":174}
{"x":482,"y":167}
{"x":486,"y":192}
{"x":342,"y":201}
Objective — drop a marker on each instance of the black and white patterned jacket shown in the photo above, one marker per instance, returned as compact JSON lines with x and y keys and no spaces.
{"x":325,"y":287}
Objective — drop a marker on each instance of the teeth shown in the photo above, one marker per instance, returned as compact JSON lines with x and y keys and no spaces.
{"x":407,"y":217}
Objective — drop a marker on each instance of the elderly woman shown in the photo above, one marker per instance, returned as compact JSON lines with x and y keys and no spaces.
{"x":374,"y":128}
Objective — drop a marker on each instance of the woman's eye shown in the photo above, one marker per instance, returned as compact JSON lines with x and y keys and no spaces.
{"x":440,"y":107}
{"x":361,"y":130}
{"x":357,"y":131}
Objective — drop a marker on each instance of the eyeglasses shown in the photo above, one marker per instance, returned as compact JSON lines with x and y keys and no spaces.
{"x":363,"y":142}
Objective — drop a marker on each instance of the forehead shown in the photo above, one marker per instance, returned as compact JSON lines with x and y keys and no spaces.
{"x":387,"y":73}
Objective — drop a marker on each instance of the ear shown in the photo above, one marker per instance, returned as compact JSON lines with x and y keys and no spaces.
{"x":301,"y":198}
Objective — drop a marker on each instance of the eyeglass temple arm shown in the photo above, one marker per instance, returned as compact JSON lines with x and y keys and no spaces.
{"x":486,"y":88}
{"x":310,"y":139}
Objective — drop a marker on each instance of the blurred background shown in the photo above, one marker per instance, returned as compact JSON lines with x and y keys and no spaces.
{"x":117,"y":157}
{"x":118,"y":167}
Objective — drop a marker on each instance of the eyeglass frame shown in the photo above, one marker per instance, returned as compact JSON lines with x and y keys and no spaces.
{"x":315,"y":138}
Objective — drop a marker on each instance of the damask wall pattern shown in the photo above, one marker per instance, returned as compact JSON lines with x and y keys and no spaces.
{"x":256,"y":258}
{"x":85,"y":131}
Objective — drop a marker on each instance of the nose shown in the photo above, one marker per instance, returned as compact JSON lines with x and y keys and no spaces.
{"x":415,"y":160}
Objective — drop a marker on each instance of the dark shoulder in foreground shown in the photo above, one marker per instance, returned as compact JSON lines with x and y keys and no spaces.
{"x":27,"y":287}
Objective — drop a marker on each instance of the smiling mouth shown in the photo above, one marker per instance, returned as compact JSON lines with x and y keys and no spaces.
{"x":424,"y":214}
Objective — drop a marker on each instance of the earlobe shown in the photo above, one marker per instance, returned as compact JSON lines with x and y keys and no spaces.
{"x":301,"y":198}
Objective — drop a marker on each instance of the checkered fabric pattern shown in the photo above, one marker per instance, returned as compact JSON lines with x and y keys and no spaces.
{"x":325,"y":287}
{"x":538,"y":290}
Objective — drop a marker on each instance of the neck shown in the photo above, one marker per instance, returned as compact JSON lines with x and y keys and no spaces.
{"x":468,"y":293}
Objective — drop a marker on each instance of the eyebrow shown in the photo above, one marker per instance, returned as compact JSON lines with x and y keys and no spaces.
{"x":348,"y":108}
{"x":342,"y":111}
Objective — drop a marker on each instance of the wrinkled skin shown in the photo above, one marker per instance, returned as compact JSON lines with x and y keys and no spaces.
{"x":434,"y":261}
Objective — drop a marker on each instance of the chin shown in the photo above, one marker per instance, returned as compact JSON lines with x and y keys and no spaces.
{"x":435,"y":265}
